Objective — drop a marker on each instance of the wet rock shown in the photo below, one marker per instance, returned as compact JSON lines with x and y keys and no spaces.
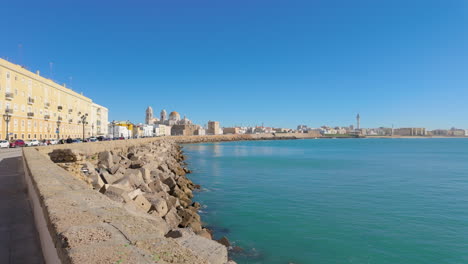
{"x":224,"y":241}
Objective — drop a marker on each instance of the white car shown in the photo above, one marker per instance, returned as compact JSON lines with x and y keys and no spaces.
{"x":53,"y":142}
{"x":4,"y":144}
{"x":33,"y":142}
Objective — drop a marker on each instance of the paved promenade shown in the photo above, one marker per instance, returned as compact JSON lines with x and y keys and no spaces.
{"x":19,"y":242}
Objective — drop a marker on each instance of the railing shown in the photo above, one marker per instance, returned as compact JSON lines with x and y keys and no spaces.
{"x":59,"y":108}
{"x":9,"y":95}
{"x":46,"y":117}
{"x":30,"y":114}
{"x":59,"y":118}
{"x":70,"y":111}
{"x":70,"y":121}
{"x":46,"y":104}
{"x":9,"y":111}
{"x":30,"y":100}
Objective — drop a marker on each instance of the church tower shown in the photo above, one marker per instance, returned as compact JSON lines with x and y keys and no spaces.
{"x":149,"y":115}
{"x":163,"y":115}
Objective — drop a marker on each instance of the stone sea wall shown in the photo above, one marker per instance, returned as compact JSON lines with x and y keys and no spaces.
{"x":124,"y":201}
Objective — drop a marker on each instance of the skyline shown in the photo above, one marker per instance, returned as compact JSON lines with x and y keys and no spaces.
{"x":281,"y":64}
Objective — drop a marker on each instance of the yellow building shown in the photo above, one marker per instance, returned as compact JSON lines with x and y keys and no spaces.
{"x":39,"y":108}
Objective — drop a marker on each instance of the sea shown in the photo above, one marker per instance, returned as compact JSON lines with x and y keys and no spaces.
{"x":326,"y":201}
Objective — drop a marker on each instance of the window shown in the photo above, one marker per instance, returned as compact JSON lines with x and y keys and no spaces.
{"x":16,"y":91}
{"x":22,"y":108}
{"x":8,"y":77}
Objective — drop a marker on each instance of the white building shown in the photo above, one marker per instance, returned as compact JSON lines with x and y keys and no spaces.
{"x":99,"y":120}
{"x":119,"y":131}
{"x":161,"y":130}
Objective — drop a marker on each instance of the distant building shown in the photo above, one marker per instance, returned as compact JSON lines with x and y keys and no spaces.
{"x":213,"y":128}
{"x":161,"y":130}
{"x":410,"y":131}
{"x":440,"y":132}
{"x":455,"y":132}
{"x":184,"y":130}
{"x":231,"y":130}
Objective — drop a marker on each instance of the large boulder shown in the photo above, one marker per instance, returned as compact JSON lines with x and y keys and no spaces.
{"x":172,"y":218}
{"x":106,"y":158}
{"x":159,"y":205}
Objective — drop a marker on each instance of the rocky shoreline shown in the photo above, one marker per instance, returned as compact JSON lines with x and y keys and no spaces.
{"x":149,"y":179}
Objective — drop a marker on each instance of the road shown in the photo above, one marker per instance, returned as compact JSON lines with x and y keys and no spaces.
{"x":19,"y":240}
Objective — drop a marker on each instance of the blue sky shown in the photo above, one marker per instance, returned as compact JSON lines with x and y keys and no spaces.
{"x":281,"y":63}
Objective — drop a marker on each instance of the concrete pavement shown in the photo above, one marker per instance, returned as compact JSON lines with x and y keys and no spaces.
{"x":19,"y":241}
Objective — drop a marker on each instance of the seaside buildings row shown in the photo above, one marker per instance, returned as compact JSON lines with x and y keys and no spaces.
{"x":34,"y":107}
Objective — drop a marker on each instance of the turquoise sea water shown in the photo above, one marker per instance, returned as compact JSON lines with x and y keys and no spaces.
{"x":337,"y":200}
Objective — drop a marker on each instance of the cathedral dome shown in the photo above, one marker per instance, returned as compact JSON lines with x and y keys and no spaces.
{"x":174,"y":116}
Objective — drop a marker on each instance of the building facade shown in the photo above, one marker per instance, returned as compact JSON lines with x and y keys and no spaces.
{"x":39,"y":108}
{"x":213,"y":128}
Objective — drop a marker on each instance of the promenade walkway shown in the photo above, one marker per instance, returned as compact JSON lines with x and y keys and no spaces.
{"x":19,"y":240}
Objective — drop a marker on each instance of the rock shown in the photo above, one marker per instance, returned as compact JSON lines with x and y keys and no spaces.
{"x":88,"y":167}
{"x":172,"y":218}
{"x":224,"y":241}
{"x":136,"y":164}
{"x":159,"y":205}
{"x":195,"y":226}
{"x":134,"y":176}
{"x":117,"y":194}
{"x":204,"y":233}
{"x":115,"y":168}
{"x":105,"y":158}
{"x":187,"y":217}
{"x":145,"y":173}
{"x":109,"y":178}
{"x":133,"y":194}
{"x":172,"y":202}
{"x":158,"y":186}
{"x":142,"y":203}
{"x":170,"y":182}
{"x":96,"y":180}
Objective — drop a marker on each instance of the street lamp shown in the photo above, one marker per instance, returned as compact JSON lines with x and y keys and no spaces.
{"x":7,"y":118}
{"x":58,"y":129}
{"x":113,"y":129}
{"x":83,"y":121}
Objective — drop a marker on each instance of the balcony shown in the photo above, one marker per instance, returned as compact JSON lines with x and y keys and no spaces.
{"x":70,"y":111}
{"x":70,"y":121}
{"x":9,"y":111}
{"x":9,"y":95}
{"x":30,"y":114}
{"x":59,"y":118}
{"x":46,"y":104}
{"x":59,"y":108}
{"x":46,"y":117}
{"x":30,"y":100}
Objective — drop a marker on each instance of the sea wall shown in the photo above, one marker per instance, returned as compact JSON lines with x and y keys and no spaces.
{"x":130,"y":205}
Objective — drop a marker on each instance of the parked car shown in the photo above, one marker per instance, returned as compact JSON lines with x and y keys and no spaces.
{"x":17,"y":143}
{"x":4,"y":144}
{"x":31,"y":143}
{"x":52,"y":142}
{"x":92,"y":139}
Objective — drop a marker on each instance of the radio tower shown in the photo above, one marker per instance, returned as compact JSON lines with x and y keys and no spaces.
{"x":358,"y":119}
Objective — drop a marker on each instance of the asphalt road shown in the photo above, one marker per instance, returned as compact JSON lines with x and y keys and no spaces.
{"x":19,"y":240}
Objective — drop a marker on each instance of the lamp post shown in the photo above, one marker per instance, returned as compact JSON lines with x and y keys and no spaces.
{"x":83,"y":121}
{"x":58,"y":129}
{"x":7,"y":118}
{"x":113,"y":128}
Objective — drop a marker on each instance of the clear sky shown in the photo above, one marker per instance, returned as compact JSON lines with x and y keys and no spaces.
{"x":282,"y":63}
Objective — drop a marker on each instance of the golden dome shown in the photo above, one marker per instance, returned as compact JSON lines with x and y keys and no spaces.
{"x":174,"y":114}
